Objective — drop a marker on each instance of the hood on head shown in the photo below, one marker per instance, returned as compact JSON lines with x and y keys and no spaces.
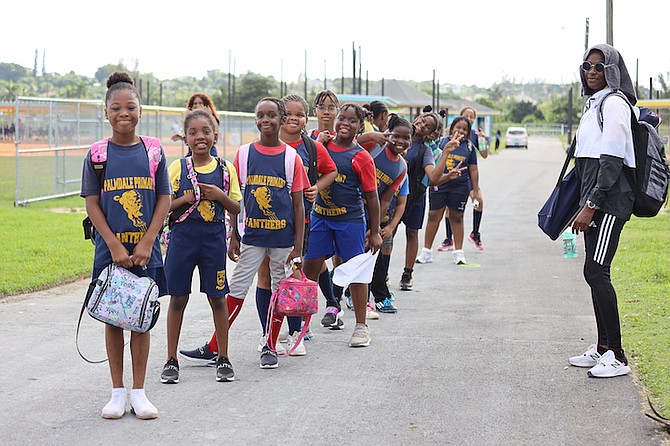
{"x":616,"y":73}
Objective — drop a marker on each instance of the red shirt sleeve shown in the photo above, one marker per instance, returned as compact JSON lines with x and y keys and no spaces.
{"x":368,"y":145}
{"x":324,"y":162}
{"x":364,"y":166}
{"x":300,"y":180}
{"x":398,"y":181}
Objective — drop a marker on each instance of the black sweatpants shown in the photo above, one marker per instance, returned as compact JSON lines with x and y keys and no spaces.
{"x":601,"y":241}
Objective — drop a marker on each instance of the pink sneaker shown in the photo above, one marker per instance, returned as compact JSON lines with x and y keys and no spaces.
{"x":476,"y":241}
{"x":447,"y":245}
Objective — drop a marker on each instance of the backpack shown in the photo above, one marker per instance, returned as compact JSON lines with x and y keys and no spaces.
{"x":99,"y":161}
{"x":182,"y":212}
{"x":242,"y":162}
{"x":652,"y":175}
{"x":312,"y":172}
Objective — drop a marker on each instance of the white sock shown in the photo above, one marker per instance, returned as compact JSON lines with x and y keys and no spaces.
{"x":141,"y":405}
{"x":116,"y":406}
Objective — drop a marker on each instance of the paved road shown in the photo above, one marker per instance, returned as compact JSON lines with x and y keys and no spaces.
{"x":475,"y":356}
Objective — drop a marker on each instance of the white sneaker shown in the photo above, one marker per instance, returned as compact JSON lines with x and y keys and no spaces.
{"x":608,"y":367}
{"x":141,"y":406}
{"x":116,"y":407}
{"x":426,"y":256}
{"x":280,"y":349}
{"x":370,"y":313}
{"x":283,"y":337}
{"x":588,"y":359}
{"x":361,"y":336}
{"x":459,"y":257}
{"x":300,"y":349}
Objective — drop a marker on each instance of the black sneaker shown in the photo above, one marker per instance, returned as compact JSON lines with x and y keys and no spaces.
{"x":201,"y":355}
{"x":330,"y":317}
{"x":406,"y":281}
{"x":268,"y":358}
{"x":224,"y":370}
{"x":386,"y":306}
{"x":170,"y":374}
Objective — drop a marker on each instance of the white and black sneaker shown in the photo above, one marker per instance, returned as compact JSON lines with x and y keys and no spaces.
{"x":268,"y":358}
{"x":224,"y":370}
{"x":587,"y":359}
{"x":608,"y":367}
{"x":170,"y":374}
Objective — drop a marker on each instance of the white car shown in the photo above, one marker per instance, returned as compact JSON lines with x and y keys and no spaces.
{"x":516,"y":137}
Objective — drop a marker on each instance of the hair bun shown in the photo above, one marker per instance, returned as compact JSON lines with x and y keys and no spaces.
{"x":119,"y":76}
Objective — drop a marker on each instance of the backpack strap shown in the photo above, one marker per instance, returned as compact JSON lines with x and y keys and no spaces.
{"x":226,"y":175}
{"x":188,"y":161}
{"x":289,"y":165}
{"x":242,"y":164}
{"x":99,"y":156}
{"x":602,"y":102}
{"x":312,"y":171}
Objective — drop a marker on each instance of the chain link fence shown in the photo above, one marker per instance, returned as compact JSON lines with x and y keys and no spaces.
{"x":50,"y":137}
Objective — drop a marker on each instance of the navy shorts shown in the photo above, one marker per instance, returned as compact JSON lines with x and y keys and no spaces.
{"x":197,"y":244}
{"x":328,"y":237}
{"x":413,"y":218}
{"x":454,"y":198}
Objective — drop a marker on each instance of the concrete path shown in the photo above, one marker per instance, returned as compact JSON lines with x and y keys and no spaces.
{"x":475,"y":356}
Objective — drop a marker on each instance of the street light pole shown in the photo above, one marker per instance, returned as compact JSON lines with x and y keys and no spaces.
{"x":610,"y":30}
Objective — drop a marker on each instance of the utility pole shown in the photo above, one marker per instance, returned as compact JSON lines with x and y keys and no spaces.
{"x":586,"y":35}
{"x":610,"y":21}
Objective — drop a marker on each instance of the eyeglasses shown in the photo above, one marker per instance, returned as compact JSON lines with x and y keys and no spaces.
{"x":330,"y":108}
{"x":600,"y":67}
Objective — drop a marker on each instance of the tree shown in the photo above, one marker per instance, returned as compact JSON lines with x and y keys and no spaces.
{"x":524,"y":110}
{"x":555,"y":109}
{"x":35,"y":65}
{"x":104,"y":71}
{"x":251,"y":88}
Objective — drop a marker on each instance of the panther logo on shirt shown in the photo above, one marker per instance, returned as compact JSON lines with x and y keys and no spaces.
{"x":264,"y":199}
{"x":132,"y":203}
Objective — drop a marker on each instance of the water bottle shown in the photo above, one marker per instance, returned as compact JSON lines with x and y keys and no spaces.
{"x":569,"y":244}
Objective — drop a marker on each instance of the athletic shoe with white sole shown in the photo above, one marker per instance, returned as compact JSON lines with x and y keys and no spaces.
{"x":361,"y":336}
{"x":608,"y":367}
{"x":587,"y":359}
{"x":386,"y":306}
{"x":425,"y":256}
{"x":281,"y":350}
{"x":224,"y":370}
{"x":370,"y":312}
{"x":268,"y":358}
{"x":447,"y":245}
{"x":406,"y":283}
{"x":300,"y":349}
{"x":459,"y":257}
{"x":200,"y":355}
{"x":170,"y":374}
{"x":476,"y":240}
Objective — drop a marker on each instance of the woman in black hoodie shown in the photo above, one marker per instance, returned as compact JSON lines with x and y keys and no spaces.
{"x":605,"y":162}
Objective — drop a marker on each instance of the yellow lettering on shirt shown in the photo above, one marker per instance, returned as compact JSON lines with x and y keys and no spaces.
{"x":266,"y":180}
{"x":130,"y":237}
{"x":127,"y":183}
{"x":265,"y":223}
{"x":381,"y":176}
{"x":329,"y":212}
{"x":340,"y":178}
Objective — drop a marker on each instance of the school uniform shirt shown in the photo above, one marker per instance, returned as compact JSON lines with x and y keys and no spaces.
{"x":465,"y":154}
{"x":343,"y":199}
{"x":211,"y":173}
{"x":128,"y":198}
{"x":268,"y":204}
{"x":416,"y":164}
{"x":390,"y":170}
{"x":324,"y":165}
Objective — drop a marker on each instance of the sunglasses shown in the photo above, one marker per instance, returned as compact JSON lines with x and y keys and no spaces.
{"x":600,"y":67}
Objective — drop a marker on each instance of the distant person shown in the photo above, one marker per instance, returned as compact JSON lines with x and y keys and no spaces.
{"x":604,"y":159}
{"x":497,"y":140}
{"x":199,"y":101}
{"x":127,"y":167}
{"x":378,"y":115}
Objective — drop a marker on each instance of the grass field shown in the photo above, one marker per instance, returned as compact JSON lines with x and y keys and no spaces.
{"x":44,"y":246}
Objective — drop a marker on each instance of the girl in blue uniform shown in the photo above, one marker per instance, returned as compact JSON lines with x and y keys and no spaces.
{"x":454,"y":194}
{"x":391,"y":171}
{"x":200,"y":240}
{"x":127,"y":229}
{"x":338,"y":218}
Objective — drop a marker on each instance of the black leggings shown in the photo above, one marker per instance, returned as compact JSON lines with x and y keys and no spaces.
{"x":601,"y":241}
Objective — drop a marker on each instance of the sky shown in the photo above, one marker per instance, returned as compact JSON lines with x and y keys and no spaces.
{"x":479,"y":42}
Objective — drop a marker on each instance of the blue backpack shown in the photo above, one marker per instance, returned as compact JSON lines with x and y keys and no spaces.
{"x":652,"y":175}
